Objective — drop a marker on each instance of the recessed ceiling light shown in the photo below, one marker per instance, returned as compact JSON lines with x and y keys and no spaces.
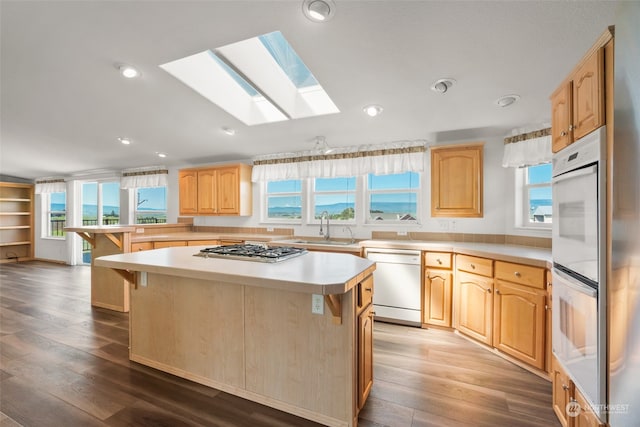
{"x":442,"y":85}
{"x":128,"y":71}
{"x":229,"y":131}
{"x":507,"y":100}
{"x":125,"y":141}
{"x":318,"y":10}
{"x":372,"y":110}
{"x":163,"y":155}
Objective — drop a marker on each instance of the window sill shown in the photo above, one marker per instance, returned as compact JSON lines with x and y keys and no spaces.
{"x":61,"y":239}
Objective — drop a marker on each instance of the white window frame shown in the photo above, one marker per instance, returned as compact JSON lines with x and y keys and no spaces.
{"x":264,"y":211}
{"x":522,"y":200}
{"x":311,"y":219}
{"x":136,"y":211}
{"x":367,"y":201}
{"x":46,"y":227}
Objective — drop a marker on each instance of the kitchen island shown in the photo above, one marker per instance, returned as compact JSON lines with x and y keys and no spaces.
{"x":247,"y":328}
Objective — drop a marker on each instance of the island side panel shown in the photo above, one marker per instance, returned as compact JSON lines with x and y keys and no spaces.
{"x":191,"y":328}
{"x":300,"y":358}
{"x":108,"y":289}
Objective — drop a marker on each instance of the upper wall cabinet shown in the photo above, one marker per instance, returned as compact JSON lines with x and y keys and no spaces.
{"x":223,"y":190}
{"x":577,"y":106}
{"x":456,"y":181}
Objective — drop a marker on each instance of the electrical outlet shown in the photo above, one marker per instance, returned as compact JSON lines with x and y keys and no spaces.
{"x":402,"y":233}
{"x":443,"y":224}
{"x":317,"y":304}
{"x":139,"y":230}
{"x":270,"y":229}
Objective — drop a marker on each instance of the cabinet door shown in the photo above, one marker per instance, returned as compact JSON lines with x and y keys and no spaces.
{"x":437,"y":297}
{"x":562,"y":391}
{"x":474,"y":303}
{"x":228,"y":191}
{"x":585,"y":417}
{"x":188,"y":189}
{"x":365,"y":355}
{"x":519,"y":322}
{"x":207,"y":192}
{"x":588,"y":95}
{"x":561,"y":116}
{"x":141,"y":246}
{"x":456,"y":181}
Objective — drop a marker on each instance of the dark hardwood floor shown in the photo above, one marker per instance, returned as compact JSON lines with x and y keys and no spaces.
{"x":64,"y":363}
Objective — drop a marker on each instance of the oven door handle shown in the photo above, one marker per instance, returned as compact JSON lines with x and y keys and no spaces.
{"x":571,"y":283}
{"x":576,"y":173}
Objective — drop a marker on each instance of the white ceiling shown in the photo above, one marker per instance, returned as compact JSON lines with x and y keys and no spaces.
{"x":63,"y":103}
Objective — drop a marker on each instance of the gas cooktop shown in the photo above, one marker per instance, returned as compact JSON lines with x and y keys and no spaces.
{"x":252,"y":252}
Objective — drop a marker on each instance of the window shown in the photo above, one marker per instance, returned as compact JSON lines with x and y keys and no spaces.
{"x":56,"y":214}
{"x":151,"y":205}
{"x":393,"y":197}
{"x":284,"y":201}
{"x":336,"y":196}
{"x":536,"y":196}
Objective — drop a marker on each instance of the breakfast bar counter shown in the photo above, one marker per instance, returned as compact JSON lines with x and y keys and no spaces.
{"x":294,"y":335}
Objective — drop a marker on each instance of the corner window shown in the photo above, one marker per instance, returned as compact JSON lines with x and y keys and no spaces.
{"x":283,"y":201}
{"x":56,"y":214}
{"x":536,"y":196}
{"x":393,"y":198}
{"x":151,"y":205}
{"x":336,"y":197}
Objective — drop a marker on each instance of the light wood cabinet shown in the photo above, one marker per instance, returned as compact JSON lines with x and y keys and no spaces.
{"x":169,"y":244}
{"x":474,"y":306}
{"x":519,"y":322}
{"x":585,"y":417}
{"x":365,"y":354}
{"x":141,"y":246}
{"x":223,"y":190}
{"x":456,"y":181}
{"x":578,"y":105}
{"x":562,"y":391}
{"x":16,"y":222}
{"x":188,"y":192}
{"x":437,"y":289}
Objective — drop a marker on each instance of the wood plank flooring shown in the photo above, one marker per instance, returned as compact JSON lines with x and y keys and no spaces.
{"x":64,"y":363}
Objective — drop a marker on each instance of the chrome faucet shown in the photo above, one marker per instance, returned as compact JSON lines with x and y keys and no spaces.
{"x":324,"y":215}
{"x":352,"y":240}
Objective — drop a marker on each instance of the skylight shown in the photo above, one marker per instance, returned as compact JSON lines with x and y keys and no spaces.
{"x":259,"y":80}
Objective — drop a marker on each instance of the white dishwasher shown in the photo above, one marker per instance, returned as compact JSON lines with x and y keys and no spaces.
{"x":397,"y":283}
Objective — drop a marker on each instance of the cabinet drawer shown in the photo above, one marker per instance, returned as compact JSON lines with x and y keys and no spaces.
{"x":522,"y":274}
{"x":169,"y":244}
{"x":365,"y":292}
{"x":438,"y":259}
{"x":141,"y":246}
{"x":472,"y":264}
{"x":203,"y":243}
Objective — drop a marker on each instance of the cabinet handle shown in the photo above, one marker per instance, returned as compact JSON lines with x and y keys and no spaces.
{"x":498,"y":291}
{"x":367,"y":289}
{"x":565,"y":387}
{"x":438,"y":261}
{"x":473,"y":266}
{"x":572,"y":127}
{"x":488,"y":290}
{"x":517,"y":273}
{"x":546,"y":307}
{"x":563,"y":133}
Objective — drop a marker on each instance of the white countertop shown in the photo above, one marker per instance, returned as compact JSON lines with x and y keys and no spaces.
{"x":539,"y":257}
{"x":314,"y":272}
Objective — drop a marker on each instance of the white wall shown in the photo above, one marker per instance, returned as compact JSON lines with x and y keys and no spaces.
{"x":499,"y":211}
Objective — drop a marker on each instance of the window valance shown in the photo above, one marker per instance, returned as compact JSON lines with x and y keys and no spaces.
{"x":152,"y":176}
{"x":527,"y":149}
{"x":395,"y":157}
{"x":50,"y":185}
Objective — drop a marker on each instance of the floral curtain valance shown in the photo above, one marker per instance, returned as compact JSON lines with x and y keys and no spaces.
{"x":395,"y":157}
{"x":527,"y":149}
{"x":50,"y":185}
{"x":153,"y":176}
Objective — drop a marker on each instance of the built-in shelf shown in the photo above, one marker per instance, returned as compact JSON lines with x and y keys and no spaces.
{"x":16,"y":222}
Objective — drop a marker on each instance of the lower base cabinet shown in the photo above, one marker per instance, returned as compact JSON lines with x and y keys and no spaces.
{"x":519,"y":322}
{"x":438,"y":287}
{"x":365,"y":354}
{"x":569,"y":405}
{"x":474,"y":306}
